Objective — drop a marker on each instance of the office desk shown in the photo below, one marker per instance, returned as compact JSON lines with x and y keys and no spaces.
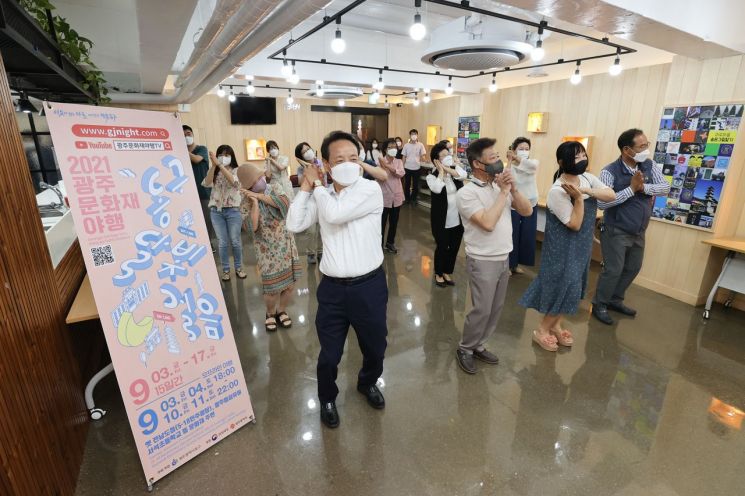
{"x":732,"y":276}
{"x":84,"y":309}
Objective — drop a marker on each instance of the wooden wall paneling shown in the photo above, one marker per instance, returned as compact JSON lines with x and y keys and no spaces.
{"x":43,"y":429}
{"x":69,"y":273}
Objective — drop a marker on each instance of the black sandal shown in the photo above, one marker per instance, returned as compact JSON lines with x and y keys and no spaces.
{"x":286,"y":322}
{"x":270,"y":323}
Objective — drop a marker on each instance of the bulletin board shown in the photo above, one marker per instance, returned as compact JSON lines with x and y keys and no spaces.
{"x":694,"y":147}
{"x":469,"y":129}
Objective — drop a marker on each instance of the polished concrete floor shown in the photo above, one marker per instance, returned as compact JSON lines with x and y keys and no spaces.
{"x":650,"y":406}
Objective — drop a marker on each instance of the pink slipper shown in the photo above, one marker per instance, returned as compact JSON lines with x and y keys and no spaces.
{"x":564,"y":338}
{"x":545,"y":341}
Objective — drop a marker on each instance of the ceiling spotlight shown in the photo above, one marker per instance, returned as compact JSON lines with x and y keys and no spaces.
{"x":220,"y":91}
{"x":386,"y":105}
{"x":449,"y":89}
{"x":319,"y":88}
{"x":338,"y":45}
{"x":426,"y":98}
{"x":493,"y":85}
{"x":294,"y":78}
{"x":290,"y":100}
{"x":24,"y":105}
{"x":417,"y":31}
{"x":537,"y":54}
{"x":615,"y":69}
{"x":576,"y":77}
{"x":380,"y":84}
{"x":286,"y":69}
{"x":231,"y":97}
{"x":341,"y":102}
{"x":250,"y":89}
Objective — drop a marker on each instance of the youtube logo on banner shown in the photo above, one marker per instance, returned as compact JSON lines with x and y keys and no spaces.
{"x":81,"y":145}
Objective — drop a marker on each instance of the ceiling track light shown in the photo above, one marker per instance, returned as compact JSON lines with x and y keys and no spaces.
{"x":493,"y":85}
{"x":379,"y":85}
{"x":24,"y":105}
{"x":576,"y":77}
{"x":231,"y":97}
{"x":341,"y":102}
{"x":286,"y":69}
{"x":220,"y":91}
{"x":250,"y":89}
{"x":417,"y":31}
{"x":537,"y":54}
{"x":449,"y":89}
{"x":416,"y":99}
{"x":615,"y":69}
{"x":290,"y":100}
{"x":338,"y":45}
{"x":426,"y":98}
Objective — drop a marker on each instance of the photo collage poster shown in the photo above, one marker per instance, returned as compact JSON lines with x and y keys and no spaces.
{"x":469,"y":129}
{"x":694,"y":148}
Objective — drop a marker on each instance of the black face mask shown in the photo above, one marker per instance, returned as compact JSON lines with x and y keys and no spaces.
{"x":578,"y":169}
{"x":495,"y":168}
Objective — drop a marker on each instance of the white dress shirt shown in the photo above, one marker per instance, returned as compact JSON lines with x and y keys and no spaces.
{"x":350,"y":226}
{"x":436,"y":184}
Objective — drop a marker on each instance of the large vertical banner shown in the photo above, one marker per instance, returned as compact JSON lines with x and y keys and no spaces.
{"x":694,"y":148}
{"x":137,"y":214}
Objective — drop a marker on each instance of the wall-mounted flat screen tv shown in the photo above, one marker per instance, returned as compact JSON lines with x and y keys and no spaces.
{"x":253,"y":110}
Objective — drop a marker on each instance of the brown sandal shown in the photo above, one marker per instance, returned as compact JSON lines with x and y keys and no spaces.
{"x":547,"y":342}
{"x":284,"y":320}
{"x":270,"y":323}
{"x":564,"y":337}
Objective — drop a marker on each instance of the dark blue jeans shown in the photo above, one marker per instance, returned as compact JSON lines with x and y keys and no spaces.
{"x":364,"y":307}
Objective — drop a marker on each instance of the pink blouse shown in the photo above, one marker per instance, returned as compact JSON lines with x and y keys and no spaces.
{"x":393,"y":190}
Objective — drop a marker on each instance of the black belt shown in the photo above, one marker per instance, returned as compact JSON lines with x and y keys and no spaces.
{"x":354,"y":280}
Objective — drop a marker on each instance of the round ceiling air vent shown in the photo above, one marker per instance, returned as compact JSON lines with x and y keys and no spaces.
{"x":476,"y":59}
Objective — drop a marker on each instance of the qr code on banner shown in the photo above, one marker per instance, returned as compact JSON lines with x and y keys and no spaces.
{"x":102,"y":255}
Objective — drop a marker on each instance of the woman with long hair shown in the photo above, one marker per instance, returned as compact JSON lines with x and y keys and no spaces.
{"x":567,"y":245}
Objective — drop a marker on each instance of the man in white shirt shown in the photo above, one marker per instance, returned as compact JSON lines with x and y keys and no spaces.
{"x":353,"y":290}
{"x":484,"y":205}
{"x":414,"y":153}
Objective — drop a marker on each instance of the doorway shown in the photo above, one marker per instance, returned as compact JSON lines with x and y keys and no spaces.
{"x":369,"y":127}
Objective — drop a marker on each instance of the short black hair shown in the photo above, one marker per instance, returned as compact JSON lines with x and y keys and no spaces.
{"x":565,"y":154}
{"x":270,"y":144}
{"x":477,"y":147}
{"x":434,"y":154}
{"x":518,"y":141}
{"x":413,"y":131}
{"x":627,"y":138}
{"x":187,"y":128}
{"x":387,"y":143}
{"x":335,"y":136}
{"x":299,"y":150}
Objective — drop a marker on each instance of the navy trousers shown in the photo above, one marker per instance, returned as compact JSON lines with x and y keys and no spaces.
{"x":523,"y":239}
{"x":362,"y":305}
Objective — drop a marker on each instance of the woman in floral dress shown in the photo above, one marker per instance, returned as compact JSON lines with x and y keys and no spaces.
{"x":264,"y":208}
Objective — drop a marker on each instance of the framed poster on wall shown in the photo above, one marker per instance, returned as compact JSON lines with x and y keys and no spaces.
{"x":694,"y":147}
{"x":469,"y":129}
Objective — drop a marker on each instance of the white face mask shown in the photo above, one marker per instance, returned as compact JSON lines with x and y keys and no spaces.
{"x":448,"y":161}
{"x":398,"y":144}
{"x":522,"y":154}
{"x":274,"y":152}
{"x":362,"y":155}
{"x":309,"y":155}
{"x":642,"y":156}
{"x":413,"y":137}
{"x":345,"y":174}
{"x":189,"y":140}
{"x":392,"y":152}
{"x":375,"y":146}
{"x":225,"y":160}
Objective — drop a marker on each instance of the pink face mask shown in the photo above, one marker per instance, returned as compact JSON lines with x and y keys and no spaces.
{"x":259,"y":186}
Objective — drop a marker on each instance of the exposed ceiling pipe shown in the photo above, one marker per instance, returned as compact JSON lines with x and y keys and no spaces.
{"x":221,"y":15}
{"x":284,"y":17}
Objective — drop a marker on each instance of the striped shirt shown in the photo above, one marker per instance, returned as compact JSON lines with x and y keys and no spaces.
{"x":658,"y":187}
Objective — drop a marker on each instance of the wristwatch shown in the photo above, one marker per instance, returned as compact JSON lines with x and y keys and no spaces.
{"x":317,"y":183}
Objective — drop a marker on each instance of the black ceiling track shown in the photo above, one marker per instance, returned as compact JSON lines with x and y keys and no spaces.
{"x":33,"y":60}
{"x":465,"y":6}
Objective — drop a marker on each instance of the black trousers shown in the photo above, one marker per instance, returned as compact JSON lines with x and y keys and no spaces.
{"x":392,"y":214}
{"x":363,"y":306}
{"x":411,"y":185}
{"x":446,"y":250}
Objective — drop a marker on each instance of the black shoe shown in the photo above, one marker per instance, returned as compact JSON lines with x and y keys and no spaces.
{"x":486,"y":356}
{"x":311,"y":259}
{"x":329,"y":415}
{"x":449,"y":282}
{"x":391,"y":248}
{"x":440,"y":284}
{"x":600,"y":312}
{"x":621,"y":308}
{"x":374,"y":396}
{"x":465,"y":361}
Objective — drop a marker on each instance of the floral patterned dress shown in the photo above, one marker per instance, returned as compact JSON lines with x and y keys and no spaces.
{"x":276,"y":251}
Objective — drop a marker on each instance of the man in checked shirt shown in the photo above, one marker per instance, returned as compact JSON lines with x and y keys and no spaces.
{"x":636,"y":181}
